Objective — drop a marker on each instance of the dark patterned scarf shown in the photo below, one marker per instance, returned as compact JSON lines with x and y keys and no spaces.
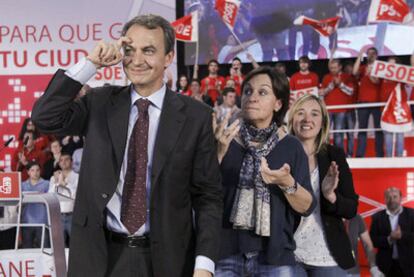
{"x":251,"y":207}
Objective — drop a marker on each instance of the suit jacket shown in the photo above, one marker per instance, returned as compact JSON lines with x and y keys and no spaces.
{"x":381,"y":229}
{"x":345,"y":206}
{"x":185,"y":174}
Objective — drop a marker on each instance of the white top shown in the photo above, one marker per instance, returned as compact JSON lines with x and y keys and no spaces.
{"x":311,"y":246}
{"x":67,"y":192}
{"x":393,"y":218}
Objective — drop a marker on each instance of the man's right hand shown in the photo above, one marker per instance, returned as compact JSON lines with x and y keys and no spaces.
{"x":107,"y":54}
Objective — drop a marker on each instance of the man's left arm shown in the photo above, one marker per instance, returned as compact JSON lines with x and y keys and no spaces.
{"x":206,"y":193}
{"x":407,"y":228}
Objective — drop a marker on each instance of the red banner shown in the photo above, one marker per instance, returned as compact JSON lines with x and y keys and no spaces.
{"x":324,"y":27}
{"x":396,"y":116}
{"x":186,"y":28}
{"x":396,"y":11}
{"x":392,"y":71}
{"x":228,"y":10}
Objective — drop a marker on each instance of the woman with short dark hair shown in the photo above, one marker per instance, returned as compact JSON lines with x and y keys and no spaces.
{"x":265,"y":178}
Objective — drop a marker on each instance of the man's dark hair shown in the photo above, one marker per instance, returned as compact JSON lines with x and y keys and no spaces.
{"x":213,"y":61}
{"x":305,"y":59}
{"x":373,"y":49}
{"x":151,"y":22}
{"x":280,"y":87}
{"x":228,"y":90}
{"x":236,"y":59}
{"x":31,"y":164}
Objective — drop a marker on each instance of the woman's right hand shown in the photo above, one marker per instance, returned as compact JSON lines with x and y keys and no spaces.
{"x":224,"y":135}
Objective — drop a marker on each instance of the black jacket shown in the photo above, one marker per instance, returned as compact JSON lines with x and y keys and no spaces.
{"x":345,"y":206}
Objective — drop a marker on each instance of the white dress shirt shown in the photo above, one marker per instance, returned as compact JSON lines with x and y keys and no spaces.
{"x":82,"y":72}
{"x":393,"y":218}
{"x":66,"y":196}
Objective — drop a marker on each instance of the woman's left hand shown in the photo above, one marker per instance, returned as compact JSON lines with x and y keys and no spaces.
{"x":280,"y":177}
{"x":330,"y":182}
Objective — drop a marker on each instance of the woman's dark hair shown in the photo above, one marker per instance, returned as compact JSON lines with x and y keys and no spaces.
{"x":280,"y":87}
{"x":177,"y":84}
{"x":23,"y":130}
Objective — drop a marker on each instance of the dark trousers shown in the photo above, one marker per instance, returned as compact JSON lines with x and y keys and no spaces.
{"x":363,"y":117}
{"x":7,"y":238}
{"x":128,"y":261}
{"x":395,"y":270}
{"x":32,"y":237}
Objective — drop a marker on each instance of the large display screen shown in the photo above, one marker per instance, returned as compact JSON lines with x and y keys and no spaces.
{"x":267,"y":32}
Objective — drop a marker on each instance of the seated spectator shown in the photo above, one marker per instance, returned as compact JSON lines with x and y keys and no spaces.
{"x":357,"y":230}
{"x":197,"y":94}
{"x":228,"y":106}
{"x":52,"y":164}
{"x":392,"y":232}
{"x":34,"y":213}
{"x":183,"y":86}
{"x":64,"y":183}
{"x":25,"y":153}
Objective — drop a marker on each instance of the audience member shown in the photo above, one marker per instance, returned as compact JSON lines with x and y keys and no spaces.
{"x":304,"y":78}
{"x":337,"y":89}
{"x":25,"y":153}
{"x":64,"y":183}
{"x":392,"y":232}
{"x":350,"y":116}
{"x":236,"y":75}
{"x":369,"y":90}
{"x":265,"y":180}
{"x":393,"y":141}
{"x":41,"y":141}
{"x":34,"y":213}
{"x":213,"y":83}
{"x":197,"y":94}
{"x":228,"y":107}
{"x":183,"y":86}
{"x":52,"y":164}
{"x":322,"y":244}
{"x":71,"y":143}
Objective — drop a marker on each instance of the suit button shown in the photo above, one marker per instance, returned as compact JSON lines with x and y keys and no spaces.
{"x":104,"y":195}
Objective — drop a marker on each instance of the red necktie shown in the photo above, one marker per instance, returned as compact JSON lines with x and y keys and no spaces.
{"x":134,"y":200}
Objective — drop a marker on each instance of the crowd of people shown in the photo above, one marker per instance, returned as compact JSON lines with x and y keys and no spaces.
{"x":346,"y":83}
{"x":150,"y":199}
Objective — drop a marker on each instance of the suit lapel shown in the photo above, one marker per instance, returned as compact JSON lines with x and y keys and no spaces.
{"x":323,"y":164}
{"x":117,"y":112}
{"x":170,"y":126}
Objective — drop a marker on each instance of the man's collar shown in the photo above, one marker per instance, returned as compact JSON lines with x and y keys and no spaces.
{"x":397,"y":212}
{"x":156,"y":99}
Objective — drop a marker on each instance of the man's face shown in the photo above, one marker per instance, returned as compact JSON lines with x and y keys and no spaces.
{"x":34,"y":172}
{"x":393,"y":199}
{"x":334,"y":68}
{"x":236,"y":65}
{"x":371,"y":55}
{"x":230,"y":99}
{"x":303,"y":66}
{"x":65,"y":162}
{"x":145,"y":59}
{"x":213,"y":67}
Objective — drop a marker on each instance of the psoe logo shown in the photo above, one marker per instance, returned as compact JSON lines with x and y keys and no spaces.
{"x":6,"y":185}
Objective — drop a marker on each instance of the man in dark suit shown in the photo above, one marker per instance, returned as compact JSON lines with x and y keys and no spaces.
{"x":392,"y":232}
{"x":149,"y":197}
